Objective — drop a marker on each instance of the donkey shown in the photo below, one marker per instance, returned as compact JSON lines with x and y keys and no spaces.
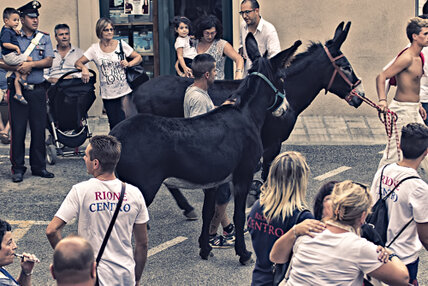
{"x":308,"y":74}
{"x":206,"y":148}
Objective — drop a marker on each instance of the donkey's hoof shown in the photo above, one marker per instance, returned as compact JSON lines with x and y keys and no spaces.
{"x":205,"y":256}
{"x":246,"y":260}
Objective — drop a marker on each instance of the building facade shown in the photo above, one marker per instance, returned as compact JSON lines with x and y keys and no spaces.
{"x":377,"y":33}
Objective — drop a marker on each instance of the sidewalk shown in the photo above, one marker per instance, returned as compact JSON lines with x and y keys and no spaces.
{"x":309,"y":130}
{"x":338,"y":130}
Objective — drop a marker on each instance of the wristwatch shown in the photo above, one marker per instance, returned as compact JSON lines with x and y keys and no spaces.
{"x":393,"y":255}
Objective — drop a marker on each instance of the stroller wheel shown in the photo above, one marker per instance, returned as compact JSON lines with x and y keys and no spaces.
{"x":51,"y":154}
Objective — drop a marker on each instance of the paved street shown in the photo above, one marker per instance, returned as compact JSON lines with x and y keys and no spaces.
{"x":173,"y":248}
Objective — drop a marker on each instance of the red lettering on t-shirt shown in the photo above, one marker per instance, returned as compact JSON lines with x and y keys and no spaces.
{"x":279,"y":232}
{"x":258,"y":225}
{"x":271,"y":230}
{"x":97,"y":196}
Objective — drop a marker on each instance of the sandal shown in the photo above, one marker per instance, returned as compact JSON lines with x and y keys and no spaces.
{"x":23,"y":82}
{"x":4,"y":138}
{"x":20,"y":99}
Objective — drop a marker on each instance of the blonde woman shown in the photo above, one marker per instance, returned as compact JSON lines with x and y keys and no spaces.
{"x":114,"y":89}
{"x":281,"y":200}
{"x":338,"y":255}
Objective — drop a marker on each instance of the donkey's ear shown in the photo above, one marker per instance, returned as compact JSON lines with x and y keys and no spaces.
{"x":338,"y":31}
{"x":252,"y":47}
{"x":283,"y":58}
{"x":340,"y":37}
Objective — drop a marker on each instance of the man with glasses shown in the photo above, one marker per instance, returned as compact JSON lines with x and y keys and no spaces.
{"x":65,"y":53}
{"x":264,"y":32}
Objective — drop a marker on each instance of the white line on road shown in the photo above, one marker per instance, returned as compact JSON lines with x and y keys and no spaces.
{"x":166,"y":245}
{"x":332,"y":173}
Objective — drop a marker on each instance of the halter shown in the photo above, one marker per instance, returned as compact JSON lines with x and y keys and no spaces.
{"x":338,"y":70}
{"x":277,"y":92}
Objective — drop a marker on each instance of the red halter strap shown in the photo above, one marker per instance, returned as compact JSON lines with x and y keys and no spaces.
{"x":337,"y":70}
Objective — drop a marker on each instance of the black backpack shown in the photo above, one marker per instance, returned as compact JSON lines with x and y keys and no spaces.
{"x":379,"y":215}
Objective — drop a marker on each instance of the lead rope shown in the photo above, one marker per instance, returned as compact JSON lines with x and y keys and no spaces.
{"x":389,"y":120}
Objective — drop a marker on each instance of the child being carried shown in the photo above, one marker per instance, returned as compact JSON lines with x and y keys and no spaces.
{"x":10,"y":51}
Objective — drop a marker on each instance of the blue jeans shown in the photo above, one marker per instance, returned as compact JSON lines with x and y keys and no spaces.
{"x":413,"y":272}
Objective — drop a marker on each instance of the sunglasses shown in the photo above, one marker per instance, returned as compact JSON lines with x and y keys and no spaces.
{"x":108,"y":30}
{"x":246,"y":12}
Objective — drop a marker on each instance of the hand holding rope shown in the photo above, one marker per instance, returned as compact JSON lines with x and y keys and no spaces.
{"x":387,"y":117}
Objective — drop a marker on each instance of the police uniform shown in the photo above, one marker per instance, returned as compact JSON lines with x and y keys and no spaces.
{"x":35,"y":111}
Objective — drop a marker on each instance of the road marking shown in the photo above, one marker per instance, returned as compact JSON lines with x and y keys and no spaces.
{"x":23,"y":226}
{"x":166,"y":245}
{"x":332,"y":173}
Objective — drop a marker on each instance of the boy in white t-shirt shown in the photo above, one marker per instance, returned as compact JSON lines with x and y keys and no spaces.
{"x":93,"y":202}
{"x":410,"y":199}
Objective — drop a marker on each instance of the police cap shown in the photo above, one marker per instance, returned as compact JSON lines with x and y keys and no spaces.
{"x":30,"y":9}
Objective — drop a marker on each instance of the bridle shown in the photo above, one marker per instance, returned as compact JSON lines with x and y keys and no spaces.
{"x":337,"y":69}
{"x":389,"y":118}
{"x":277,"y":92}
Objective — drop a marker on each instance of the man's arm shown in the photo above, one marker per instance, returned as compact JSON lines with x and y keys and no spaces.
{"x":53,"y":231}
{"x":400,"y":64}
{"x":141,"y":247}
{"x":422,"y":229}
{"x":4,"y":66}
{"x":26,"y":67}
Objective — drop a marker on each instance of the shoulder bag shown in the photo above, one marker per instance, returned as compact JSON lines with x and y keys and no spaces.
{"x":110,"y":228}
{"x":279,"y":270}
{"x":135,"y":75}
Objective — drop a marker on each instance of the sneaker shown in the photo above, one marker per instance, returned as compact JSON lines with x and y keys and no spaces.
{"x":231,"y":236}
{"x":219,"y":241}
{"x":190,"y":215}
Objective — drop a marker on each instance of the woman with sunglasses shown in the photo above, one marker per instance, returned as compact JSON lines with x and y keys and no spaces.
{"x":338,"y":255}
{"x":114,"y":88}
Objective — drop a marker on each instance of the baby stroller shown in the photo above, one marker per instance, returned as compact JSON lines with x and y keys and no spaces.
{"x":68,"y":103}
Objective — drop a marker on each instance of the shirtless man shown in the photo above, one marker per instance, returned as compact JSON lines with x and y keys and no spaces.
{"x":408,"y":70}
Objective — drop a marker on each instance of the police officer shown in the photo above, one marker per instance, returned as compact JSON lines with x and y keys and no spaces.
{"x":35,"y":94}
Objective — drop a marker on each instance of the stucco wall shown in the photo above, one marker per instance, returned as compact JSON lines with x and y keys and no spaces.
{"x":377,"y":34}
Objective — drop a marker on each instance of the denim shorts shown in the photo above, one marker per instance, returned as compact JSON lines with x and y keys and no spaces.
{"x":223,"y":194}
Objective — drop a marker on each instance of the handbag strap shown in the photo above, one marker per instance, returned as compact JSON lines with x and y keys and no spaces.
{"x":121,"y":53}
{"x":110,"y":227}
{"x":298,"y":216}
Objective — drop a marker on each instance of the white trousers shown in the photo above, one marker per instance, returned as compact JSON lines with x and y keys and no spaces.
{"x":408,"y":112}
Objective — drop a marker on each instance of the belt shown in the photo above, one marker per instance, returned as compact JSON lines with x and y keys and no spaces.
{"x":37,"y":85}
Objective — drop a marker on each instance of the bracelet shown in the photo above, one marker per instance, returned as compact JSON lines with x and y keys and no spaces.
{"x":27,"y":274}
{"x":238,"y":70}
{"x":383,"y":99}
{"x":294,"y":231}
{"x":393,"y":255}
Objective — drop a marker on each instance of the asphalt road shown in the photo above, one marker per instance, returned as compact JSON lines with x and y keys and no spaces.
{"x":173,"y":255}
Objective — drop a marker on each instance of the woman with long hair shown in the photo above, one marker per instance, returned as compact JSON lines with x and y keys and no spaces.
{"x":282,"y":201}
{"x":338,"y":255}
{"x":114,"y":89}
